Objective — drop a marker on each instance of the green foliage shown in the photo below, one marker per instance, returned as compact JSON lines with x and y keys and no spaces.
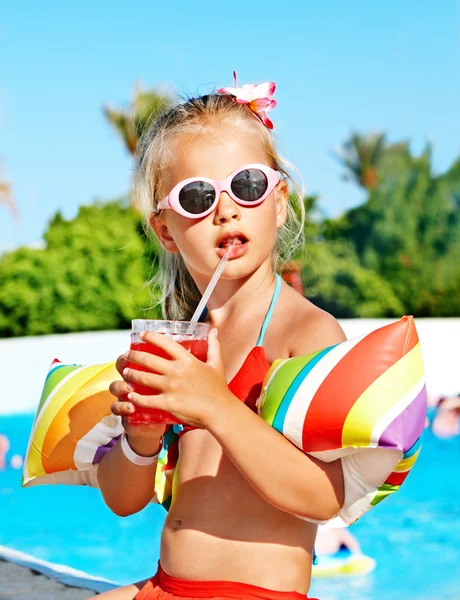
{"x":335,"y":281}
{"x":145,"y":108}
{"x":361,"y":155}
{"x":398,"y":253}
{"x":90,"y":276}
{"x":408,"y":231}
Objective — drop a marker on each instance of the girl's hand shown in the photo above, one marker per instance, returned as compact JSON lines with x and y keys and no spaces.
{"x":123,"y":408}
{"x":189,"y":389}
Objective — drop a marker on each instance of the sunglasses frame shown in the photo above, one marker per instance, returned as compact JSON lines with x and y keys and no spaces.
{"x":172,"y":199}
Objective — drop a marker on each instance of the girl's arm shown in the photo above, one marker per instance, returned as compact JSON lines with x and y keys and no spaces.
{"x":278,"y":471}
{"x":127,"y":488}
{"x":282,"y":474}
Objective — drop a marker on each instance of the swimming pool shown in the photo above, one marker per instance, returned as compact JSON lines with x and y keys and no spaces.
{"x":414,"y":536}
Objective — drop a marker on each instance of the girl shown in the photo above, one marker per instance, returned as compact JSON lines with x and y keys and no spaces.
{"x":245,"y":502}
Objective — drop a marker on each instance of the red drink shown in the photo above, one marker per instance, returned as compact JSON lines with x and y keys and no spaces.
{"x":198,"y":347}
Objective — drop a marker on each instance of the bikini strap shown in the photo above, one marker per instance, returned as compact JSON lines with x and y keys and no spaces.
{"x":268,"y":316}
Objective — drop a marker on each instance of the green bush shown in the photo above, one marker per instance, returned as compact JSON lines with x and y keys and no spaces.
{"x":335,"y":281}
{"x":408,"y":231}
{"x":397,"y":253}
{"x":90,"y":276}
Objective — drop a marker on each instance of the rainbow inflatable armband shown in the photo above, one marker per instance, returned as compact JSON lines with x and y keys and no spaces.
{"x":363,"y":401}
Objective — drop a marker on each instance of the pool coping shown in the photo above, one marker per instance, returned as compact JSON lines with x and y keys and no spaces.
{"x":61,"y":573}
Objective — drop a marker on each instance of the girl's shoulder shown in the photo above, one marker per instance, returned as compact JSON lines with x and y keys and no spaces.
{"x":306,"y":327}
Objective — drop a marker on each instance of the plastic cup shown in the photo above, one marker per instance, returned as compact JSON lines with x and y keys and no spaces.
{"x":192,"y":336}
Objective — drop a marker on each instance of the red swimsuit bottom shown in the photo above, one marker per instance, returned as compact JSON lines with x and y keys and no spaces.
{"x":165,"y":587}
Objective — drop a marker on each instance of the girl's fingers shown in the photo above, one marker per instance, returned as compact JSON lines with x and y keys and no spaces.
{"x":165,"y":342}
{"x":150,"y":361}
{"x":156,"y":401}
{"x":121,"y":363}
{"x":119,"y":389}
{"x":122,"y":409}
{"x":150,"y":380}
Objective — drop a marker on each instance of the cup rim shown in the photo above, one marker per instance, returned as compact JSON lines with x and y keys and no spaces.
{"x":178,"y":327}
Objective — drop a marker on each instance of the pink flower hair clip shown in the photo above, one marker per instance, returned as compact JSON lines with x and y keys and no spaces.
{"x":257,"y":97}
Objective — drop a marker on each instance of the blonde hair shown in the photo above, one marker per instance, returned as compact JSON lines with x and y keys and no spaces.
{"x":180,"y":293}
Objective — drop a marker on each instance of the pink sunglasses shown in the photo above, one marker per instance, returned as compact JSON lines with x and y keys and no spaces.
{"x":198,"y":196}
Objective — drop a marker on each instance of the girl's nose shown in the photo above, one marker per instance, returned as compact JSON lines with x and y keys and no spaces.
{"x":227,"y":209}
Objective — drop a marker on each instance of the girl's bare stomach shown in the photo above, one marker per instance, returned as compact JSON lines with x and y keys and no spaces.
{"x":219,"y":528}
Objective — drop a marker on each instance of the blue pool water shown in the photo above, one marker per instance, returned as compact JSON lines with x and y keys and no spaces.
{"x":414,"y":536}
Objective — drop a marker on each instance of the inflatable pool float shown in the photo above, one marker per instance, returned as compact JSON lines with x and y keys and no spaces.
{"x":343,"y":562}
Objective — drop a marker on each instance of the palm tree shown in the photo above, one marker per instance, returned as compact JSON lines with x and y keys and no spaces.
{"x":145,"y":107}
{"x":6,"y":197}
{"x":361,"y":156}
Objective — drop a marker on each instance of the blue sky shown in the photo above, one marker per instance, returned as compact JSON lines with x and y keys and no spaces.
{"x":339,"y":67}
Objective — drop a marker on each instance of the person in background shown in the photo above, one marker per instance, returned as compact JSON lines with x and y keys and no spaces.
{"x":4,"y":447}
{"x":446,"y":421}
{"x":330,"y":540}
{"x":292,"y":275}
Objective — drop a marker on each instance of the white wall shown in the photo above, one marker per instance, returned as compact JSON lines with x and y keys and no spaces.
{"x":25,"y":361}
{"x":440,"y":341}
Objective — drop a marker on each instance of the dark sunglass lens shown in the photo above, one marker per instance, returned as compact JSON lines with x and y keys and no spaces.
{"x":249,"y":185}
{"x":197,"y":197}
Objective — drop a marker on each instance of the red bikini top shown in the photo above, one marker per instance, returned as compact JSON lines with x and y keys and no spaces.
{"x":247,"y":383}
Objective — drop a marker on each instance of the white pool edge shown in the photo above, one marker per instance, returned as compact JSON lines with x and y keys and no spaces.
{"x":61,"y":573}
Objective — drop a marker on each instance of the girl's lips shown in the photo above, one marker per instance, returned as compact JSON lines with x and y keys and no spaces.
{"x":237,"y":250}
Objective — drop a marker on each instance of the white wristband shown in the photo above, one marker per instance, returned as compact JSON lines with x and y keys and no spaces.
{"x":141,"y":461}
